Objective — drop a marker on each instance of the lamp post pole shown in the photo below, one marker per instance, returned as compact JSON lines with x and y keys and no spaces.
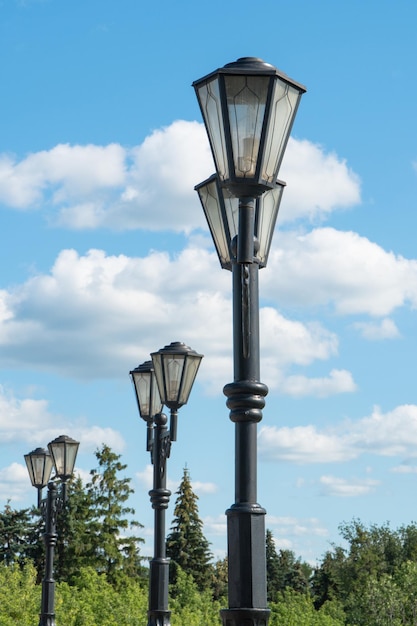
{"x":248,"y":109}
{"x":166,"y":380}
{"x":47,"y":616}
{"x":245,"y":399}
{"x":61,"y":455}
{"x":158,"y":613}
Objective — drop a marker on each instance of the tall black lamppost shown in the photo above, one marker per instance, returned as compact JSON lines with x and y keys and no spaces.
{"x":166,"y":380}
{"x":61,"y":455}
{"x":248,"y":109}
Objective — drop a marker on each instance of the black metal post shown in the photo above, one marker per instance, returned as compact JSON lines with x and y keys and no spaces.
{"x":47,"y":615}
{"x":246,"y":518}
{"x":158,"y":613}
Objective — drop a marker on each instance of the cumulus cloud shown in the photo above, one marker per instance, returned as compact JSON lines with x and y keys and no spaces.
{"x":303,"y":444}
{"x":289,"y":531}
{"x":374,"y":331}
{"x":14,"y":482}
{"x":338,"y":381}
{"x":344,"y":488}
{"x":145,"y":480}
{"x":79,"y":319}
{"x":30,"y":420}
{"x":327,"y":267}
{"x":404,"y":469}
{"x":391,"y":434}
{"x":317,"y":182}
{"x":151,"y":186}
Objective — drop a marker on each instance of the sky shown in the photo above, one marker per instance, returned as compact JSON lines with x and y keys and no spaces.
{"x":105,"y":255}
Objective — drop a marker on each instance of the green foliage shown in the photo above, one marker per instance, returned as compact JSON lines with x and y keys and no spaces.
{"x":191,"y":606}
{"x":114,"y":546}
{"x":297,"y":609}
{"x":284,"y":570}
{"x":220,"y":580}
{"x":20,"y":597}
{"x":187,"y":546}
{"x":95,"y":528}
{"x":93,"y":601}
{"x":17,"y":535}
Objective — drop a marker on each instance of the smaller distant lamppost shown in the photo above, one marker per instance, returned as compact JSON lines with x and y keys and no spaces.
{"x":61,"y":455}
{"x":166,"y":380}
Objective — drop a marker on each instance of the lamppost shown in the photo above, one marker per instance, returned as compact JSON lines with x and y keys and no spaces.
{"x":166,"y":380}
{"x":248,"y":109}
{"x":61,"y":455}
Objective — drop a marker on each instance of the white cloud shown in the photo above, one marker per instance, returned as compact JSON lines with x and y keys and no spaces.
{"x":215,"y":525}
{"x":29,"y":420}
{"x":404,"y":469}
{"x":333,"y":486}
{"x":14,"y":482}
{"x":342,"y":269}
{"x":79,"y":319}
{"x":151,"y":186}
{"x":384,"y":434}
{"x":338,"y":381}
{"x":374,"y":331}
{"x":64,"y":172}
{"x":303,"y":444}
{"x":287,"y":531}
{"x":317,"y":182}
{"x":205,"y":488}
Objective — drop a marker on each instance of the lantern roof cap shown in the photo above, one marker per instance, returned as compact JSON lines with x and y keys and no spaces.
{"x":251,"y":65}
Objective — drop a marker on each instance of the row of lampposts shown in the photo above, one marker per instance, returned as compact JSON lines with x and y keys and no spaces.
{"x":60,"y":455}
{"x":248,"y":108}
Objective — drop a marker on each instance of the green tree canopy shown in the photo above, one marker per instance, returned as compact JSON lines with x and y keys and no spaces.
{"x":187,"y":546}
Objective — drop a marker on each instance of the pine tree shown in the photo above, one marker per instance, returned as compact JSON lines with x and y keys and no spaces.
{"x":77,"y":529}
{"x":114,"y":548}
{"x":16,"y":528}
{"x":187,"y":546}
{"x":273,"y":575}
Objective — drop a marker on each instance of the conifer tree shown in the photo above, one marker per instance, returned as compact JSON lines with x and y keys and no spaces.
{"x":115,"y":549}
{"x":15,"y":535}
{"x":273,"y":575}
{"x":187,"y":547}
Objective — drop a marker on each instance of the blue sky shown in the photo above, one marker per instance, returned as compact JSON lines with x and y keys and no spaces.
{"x":105,"y":255}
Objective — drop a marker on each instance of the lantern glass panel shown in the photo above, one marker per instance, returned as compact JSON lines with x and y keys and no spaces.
{"x":283,"y":109}
{"x":221,"y":211}
{"x":246,"y":102}
{"x":171,"y":370}
{"x":267,"y":207}
{"x":208,"y":94}
{"x":146,"y":390}
{"x":190,"y":372}
{"x":64,"y":452}
{"x":39,"y":464}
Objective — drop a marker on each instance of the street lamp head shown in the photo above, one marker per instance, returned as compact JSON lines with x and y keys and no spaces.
{"x":146,"y":391}
{"x":248,"y":109}
{"x":63,"y":451}
{"x":221,"y":209}
{"x":39,"y":464}
{"x":175,"y":367}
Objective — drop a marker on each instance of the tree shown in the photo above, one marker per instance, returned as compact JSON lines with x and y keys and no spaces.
{"x":220,"y":580}
{"x":14,"y":529}
{"x":114,"y":549}
{"x":273,"y":575}
{"x":187,"y":546}
{"x":284,"y":570}
{"x":77,"y":531}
